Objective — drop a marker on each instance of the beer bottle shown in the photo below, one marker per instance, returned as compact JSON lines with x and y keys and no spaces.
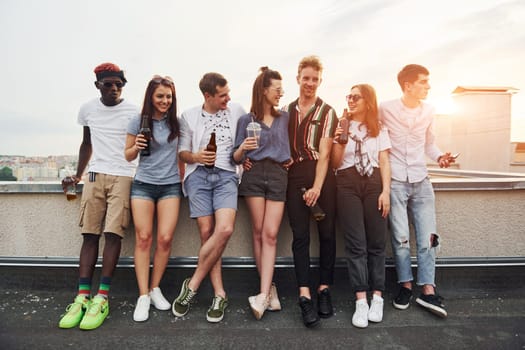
{"x":343,"y":138}
{"x":316,"y":211}
{"x":146,"y":131}
{"x":212,"y":147}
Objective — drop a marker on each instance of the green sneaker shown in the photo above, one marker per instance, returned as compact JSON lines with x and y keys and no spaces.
{"x":181,"y":305}
{"x":96,"y":313}
{"x":74,"y":312}
{"x":216,"y":311}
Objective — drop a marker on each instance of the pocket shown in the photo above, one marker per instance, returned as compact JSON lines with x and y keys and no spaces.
{"x":125,"y":215}
{"x":82,"y":212}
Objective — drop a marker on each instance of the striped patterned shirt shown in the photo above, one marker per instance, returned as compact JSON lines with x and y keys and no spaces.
{"x":319,"y":122}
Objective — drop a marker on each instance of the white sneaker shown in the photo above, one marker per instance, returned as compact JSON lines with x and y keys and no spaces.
{"x":158,"y":300}
{"x":275,"y":304}
{"x":360,"y":318}
{"x":375,"y":314}
{"x":141,"y":312}
{"x":259,"y":303}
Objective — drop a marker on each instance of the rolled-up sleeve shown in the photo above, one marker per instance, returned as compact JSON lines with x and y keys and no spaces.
{"x":185,"y":135}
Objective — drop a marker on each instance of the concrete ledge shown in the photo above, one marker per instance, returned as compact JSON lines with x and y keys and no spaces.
{"x":478,"y":217}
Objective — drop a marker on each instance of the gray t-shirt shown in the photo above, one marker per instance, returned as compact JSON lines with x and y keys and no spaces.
{"x":160,"y":168}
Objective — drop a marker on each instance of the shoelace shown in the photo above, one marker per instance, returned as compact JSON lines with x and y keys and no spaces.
{"x":186,"y":300}
{"x":215,"y":305}
{"x":324,"y":299}
{"x":438,"y":298}
{"x":307,"y":307}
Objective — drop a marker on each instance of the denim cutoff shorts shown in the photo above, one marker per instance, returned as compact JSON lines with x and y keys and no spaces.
{"x":211,"y":189}
{"x":155,"y":193}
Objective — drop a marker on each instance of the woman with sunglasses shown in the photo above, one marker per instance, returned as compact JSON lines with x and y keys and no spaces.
{"x":156,"y":188}
{"x":363,"y":199}
{"x":264,"y":184}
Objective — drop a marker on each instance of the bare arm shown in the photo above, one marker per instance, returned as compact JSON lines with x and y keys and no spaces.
{"x":131,"y":151}
{"x":325,"y":146}
{"x":386,"y":178}
{"x":84,"y":155}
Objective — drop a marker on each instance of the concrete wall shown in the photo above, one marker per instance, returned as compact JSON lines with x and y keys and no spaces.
{"x":475,"y":219}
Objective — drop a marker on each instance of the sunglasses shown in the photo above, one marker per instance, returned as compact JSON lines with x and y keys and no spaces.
{"x":108,"y":84}
{"x":159,"y":80}
{"x":353,"y":98}
{"x":278,"y":90}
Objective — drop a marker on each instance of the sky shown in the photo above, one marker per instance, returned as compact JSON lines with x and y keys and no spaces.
{"x":50,"y":48}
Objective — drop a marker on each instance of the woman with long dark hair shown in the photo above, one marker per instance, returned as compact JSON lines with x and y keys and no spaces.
{"x":156,"y":189}
{"x":264,"y":184}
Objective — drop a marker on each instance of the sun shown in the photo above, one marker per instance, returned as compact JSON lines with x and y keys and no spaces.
{"x":444,"y":105}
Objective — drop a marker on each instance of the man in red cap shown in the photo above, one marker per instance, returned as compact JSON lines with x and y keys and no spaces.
{"x":105,"y":196}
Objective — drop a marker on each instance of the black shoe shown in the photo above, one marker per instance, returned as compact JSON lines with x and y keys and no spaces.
{"x":402,"y":301}
{"x":433,"y":303}
{"x":310,"y":318}
{"x":324,"y":304}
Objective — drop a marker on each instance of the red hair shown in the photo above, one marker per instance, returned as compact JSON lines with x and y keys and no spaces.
{"x":107,"y":67}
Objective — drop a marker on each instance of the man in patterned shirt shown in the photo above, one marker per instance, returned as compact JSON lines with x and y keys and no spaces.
{"x":210,"y":181}
{"x":311,"y":130}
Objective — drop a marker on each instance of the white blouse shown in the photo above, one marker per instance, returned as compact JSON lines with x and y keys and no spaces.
{"x":372,"y":145}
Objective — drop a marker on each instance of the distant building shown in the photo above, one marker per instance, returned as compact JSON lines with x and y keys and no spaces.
{"x":480,"y":129}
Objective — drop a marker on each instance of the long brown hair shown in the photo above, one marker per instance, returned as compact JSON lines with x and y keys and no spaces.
{"x":371,"y":115}
{"x":263,"y":81}
{"x":148,"y":108}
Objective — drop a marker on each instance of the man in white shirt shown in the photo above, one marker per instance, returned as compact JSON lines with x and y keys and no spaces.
{"x":210,"y":181}
{"x":105,"y":196}
{"x":409,"y":122}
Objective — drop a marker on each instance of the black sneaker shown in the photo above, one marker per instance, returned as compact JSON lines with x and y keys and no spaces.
{"x":402,"y":301}
{"x":433,"y":303}
{"x":310,"y":317}
{"x":324,"y":304}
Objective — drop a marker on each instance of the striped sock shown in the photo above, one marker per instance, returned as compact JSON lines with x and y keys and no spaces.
{"x":103,"y":289}
{"x":84,"y":286}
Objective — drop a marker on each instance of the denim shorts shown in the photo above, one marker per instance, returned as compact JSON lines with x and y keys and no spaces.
{"x":155,"y":193}
{"x":211,"y":189}
{"x":267,"y":179}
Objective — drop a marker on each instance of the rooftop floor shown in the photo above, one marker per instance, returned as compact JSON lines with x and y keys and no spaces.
{"x":486,"y":307}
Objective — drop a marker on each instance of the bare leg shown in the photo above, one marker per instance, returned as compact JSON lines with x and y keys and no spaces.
{"x":211,"y":251}
{"x":88,"y":255}
{"x":143,"y":211}
{"x":167,"y":217}
{"x":111,"y":253}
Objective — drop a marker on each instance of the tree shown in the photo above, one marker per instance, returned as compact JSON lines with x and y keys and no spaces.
{"x":6,"y":174}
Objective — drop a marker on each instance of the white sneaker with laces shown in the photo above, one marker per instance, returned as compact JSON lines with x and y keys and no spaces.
{"x":141,"y":312}
{"x":158,"y":300}
{"x":259,"y":303}
{"x":375,"y":314}
{"x":360,"y":318}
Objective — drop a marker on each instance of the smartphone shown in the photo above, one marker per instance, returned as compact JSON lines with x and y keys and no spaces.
{"x":454,"y":156}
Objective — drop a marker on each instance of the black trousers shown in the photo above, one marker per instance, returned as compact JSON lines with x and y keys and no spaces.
{"x":302,"y":175}
{"x":363,"y":227}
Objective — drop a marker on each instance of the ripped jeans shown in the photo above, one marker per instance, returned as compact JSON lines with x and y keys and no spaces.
{"x":414,"y":201}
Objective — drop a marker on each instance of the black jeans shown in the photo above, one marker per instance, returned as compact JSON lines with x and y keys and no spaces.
{"x":363,"y":227}
{"x":302,"y":175}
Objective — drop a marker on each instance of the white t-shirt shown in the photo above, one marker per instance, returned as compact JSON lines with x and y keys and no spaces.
{"x":373,"y":145}
{"x":108,"y":127}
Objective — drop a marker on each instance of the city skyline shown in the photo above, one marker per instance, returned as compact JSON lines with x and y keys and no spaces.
{"x":52,"y":47}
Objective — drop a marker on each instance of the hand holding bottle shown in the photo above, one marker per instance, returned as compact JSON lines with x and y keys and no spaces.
{"x":317,"y":212}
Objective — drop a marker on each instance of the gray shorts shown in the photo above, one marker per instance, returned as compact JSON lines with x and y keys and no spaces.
{"x":211,"y":189}
{"x":267,"y":179}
